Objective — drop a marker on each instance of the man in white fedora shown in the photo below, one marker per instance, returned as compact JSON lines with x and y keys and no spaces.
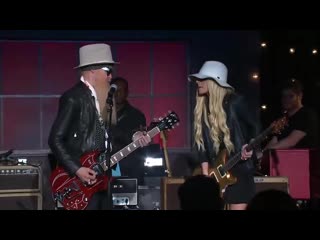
{"x":222,"y":121}
{"x":80,"y":124}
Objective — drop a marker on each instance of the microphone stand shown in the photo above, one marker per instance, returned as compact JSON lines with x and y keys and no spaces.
{"x":108,"y":154}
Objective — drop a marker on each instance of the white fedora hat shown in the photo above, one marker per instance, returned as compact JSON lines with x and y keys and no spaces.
{"x":95,"y":54}
{"x":213,"y":70}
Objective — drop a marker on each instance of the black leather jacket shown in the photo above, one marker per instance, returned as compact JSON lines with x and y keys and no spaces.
{"x":74,"y":130}
{"x":243,"y":128}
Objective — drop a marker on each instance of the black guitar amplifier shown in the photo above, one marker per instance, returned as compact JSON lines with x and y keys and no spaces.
{"x":21,"y":201}
{"x":124,"y":191}
{"x":20,"y":178}
{"x":149,"y":197}
{"x":20,"y":188}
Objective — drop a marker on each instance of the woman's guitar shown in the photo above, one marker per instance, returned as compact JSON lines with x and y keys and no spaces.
{"x":73,"y":194}
{"x":220,"y":170}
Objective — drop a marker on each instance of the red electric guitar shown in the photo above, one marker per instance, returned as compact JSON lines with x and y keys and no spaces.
{"x":73,"y":194}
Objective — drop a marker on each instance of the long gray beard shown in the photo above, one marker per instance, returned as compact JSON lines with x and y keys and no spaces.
{"x":102,"y":93}
{"x":102,"y":97}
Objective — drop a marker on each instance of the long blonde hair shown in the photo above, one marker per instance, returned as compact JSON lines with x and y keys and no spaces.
{"x":215,"y":119}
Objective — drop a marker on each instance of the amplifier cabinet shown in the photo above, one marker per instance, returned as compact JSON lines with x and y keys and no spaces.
{"x":268,"y":183}
{"x":169,"y":189}
{"x":21,"y":201}
{"x":20,"y":178}
{"x":149,"y":197}
{"x":169,"y":193}
{"x":124,"y":191}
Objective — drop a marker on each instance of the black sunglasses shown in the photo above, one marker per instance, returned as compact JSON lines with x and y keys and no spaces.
{"x":108,"y":70}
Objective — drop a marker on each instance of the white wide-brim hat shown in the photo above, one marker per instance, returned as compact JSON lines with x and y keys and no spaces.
{"x":212,"y":70}
{"x":95,"y":54}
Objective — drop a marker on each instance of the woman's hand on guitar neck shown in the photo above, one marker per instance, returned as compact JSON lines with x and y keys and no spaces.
{"x":244,"y":154}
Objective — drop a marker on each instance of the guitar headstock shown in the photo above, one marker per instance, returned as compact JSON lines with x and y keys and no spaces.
{"x":279,"y":124}
{"x":168,"y":122}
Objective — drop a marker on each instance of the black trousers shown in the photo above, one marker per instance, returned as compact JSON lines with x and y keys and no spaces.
{"x":100,"y":201}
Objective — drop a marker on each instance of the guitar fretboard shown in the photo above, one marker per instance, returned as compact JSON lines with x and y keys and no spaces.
{"x":124,"y":152}
{"x":236,"y":158}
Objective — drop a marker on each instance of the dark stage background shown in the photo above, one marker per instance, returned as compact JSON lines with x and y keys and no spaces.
{"x":36,"y":66}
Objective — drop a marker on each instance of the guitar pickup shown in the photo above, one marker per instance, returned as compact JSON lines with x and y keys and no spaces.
{"x":98,"y":169}
{"x":221,"y":171}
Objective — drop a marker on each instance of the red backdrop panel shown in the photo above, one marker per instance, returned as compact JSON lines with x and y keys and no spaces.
{"x":21,"y":124}
{"x":20,"y":68}
{"x":49,"y":112}
{"x":170,"y":68}
{"x":135,"y":66}
{"x":32,"y":68}
{"x":58,"y":61}
{"x":294,"y":164}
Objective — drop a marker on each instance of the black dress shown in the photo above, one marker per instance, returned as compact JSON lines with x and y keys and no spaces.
{"x":243,"y":127}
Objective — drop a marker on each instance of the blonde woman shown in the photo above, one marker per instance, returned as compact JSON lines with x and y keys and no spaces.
{"x":222,"y":121}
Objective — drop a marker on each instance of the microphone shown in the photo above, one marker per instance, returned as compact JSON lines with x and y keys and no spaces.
{"x":112,"y":90}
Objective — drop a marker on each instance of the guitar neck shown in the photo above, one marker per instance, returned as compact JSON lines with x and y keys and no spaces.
{"x":124,"y":152}
{"x":236,"y":158}
{"x":164,"y":143}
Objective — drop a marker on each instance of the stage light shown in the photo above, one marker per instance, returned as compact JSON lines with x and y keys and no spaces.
{"x":292,"y":50}
{"x":264,"y":107}
{"x":153,"y":162}
{"x":314,"y":51}
{"x":263,"y":44}
{"x":255,"y":76}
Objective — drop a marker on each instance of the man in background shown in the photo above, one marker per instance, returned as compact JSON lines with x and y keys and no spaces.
{"x":129,"y":120}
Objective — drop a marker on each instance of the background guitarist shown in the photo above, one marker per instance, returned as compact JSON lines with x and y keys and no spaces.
{"x":303,"y":129}
{"x":80,"y":123}
{"x":222,"y":120}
